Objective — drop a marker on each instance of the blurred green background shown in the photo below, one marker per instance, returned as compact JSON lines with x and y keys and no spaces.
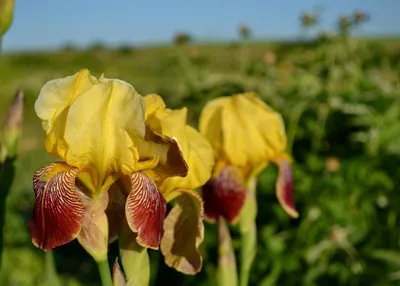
{"x":340,"y":99}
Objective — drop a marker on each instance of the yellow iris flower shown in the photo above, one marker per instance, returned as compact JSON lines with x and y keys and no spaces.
{"x":246,"y":135}
{"x":98,"y":128}
{"x":125,"y":157}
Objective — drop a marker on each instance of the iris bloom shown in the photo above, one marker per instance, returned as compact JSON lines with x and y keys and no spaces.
{"x":184,"y":223}
{"x":111,"y":157}
{"x":246,"y":135}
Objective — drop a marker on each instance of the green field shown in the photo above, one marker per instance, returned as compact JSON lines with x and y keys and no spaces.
{"x":340,"y":99}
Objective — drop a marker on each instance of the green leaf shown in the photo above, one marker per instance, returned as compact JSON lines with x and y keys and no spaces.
{"x":390,"y":257}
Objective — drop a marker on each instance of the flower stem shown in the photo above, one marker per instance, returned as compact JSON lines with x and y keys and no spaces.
{"x":248,"y":231}
{"x":7,"y":171}
{"x":293,"y":124}
{"x":227,"y":272}
{"x":105,"y":273}
{"x":51,"y":277}
{"x":187,"y":68}
{"x":322,"y":117}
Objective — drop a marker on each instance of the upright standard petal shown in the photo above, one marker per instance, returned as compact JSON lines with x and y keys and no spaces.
{"x":58,"y":213}
{"x":184,"y":232}
{"x":225,"y":195}
{"x":284,"y":187}
{"x":210,"y":124}
{"x":53,"y":104}
{"x":145,"y":210}
{"x":252,"y":132}
{"x":101,"y":127}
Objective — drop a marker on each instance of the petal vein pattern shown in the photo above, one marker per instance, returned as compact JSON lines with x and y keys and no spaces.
{"x":58,"y":212}
{"x":145,"y":210}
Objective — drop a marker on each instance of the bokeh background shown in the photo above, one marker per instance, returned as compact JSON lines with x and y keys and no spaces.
{"x":331,"y":68}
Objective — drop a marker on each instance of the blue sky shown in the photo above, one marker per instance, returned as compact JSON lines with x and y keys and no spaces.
{"x":47,"y":24}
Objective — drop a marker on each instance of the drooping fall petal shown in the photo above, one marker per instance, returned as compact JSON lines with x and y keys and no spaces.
{"x":184,"y":232}
{"x":224,"y":195}
{"x":58,"y":213}
{"x":145,"y":210}
{"x":284,"y":187}
{"x":94,"y":232}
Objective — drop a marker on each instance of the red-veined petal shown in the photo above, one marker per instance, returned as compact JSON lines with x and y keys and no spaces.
{"x":58,"y":212}
{"x":145,"y":210}
{"x":225,"y":195}
{"x":284,"y":187}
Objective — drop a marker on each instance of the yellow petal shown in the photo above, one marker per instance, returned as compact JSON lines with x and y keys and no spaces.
{"x":251,"y":131}
{"x":101,"y":126}
{"x":153,"y":103}
{"x":166,"y":150}
{"x":53,"y":104}
{"x":197,"y":152}
{"x":199,"y":156}
{"x":57,"y":95}
{"x":184,"y":232}
{"x":210,"y":124}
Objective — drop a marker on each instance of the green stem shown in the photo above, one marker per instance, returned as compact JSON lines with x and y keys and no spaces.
{"x":105,"y":273}
{"x":294,"y":120}
{"x":7,"y":171}
{"x":187,"y":69}
{"x":51,"y":277}
{"x":322,"y":117}
{"x":1,"y":60}
{"x":227,"y":272}
{"x":248,"y":231}
{"x":244,"y":57}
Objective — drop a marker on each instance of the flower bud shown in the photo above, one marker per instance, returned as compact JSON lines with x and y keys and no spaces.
{"x":6,"y":15}
{"x":11,"y":131}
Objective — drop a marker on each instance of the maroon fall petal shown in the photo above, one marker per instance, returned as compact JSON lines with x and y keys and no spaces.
{"x":225,"y":195}
{"x":145,"y":210}
{"x":284,"y":188}
{"x":211,"y":203}
{"x":58,"y":212}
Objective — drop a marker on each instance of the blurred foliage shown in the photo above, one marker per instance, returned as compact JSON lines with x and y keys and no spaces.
{"x":340,"y":98}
